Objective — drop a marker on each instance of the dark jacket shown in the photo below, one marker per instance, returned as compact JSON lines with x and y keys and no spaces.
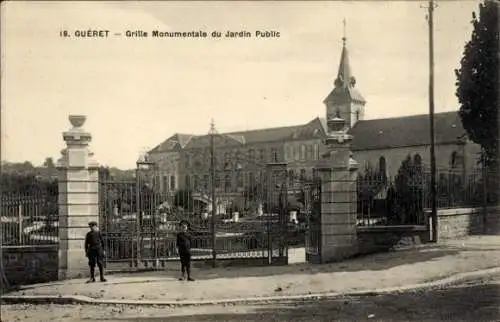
{"x":94,"y":241}
{"x":184,"y":242}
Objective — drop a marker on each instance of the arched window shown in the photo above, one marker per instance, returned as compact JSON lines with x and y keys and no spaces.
{"x":382,"y":167}
{"x":456,"y":160}
{"x":417,"y":159}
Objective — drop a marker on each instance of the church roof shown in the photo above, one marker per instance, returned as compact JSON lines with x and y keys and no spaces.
{"x":367,"y":134}
{"x":344,"y":94}
{"x":406,"y":131}
{"x":171,"y":142}
{"x":249,"y":137}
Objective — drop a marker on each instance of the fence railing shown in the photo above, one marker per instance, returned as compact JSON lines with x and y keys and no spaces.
{"x":29,"y":218}
{"x":404,"y":198}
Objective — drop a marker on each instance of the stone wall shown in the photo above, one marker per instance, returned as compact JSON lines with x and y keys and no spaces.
{"x":453,"y":224}
{"x":461,"y":222}
{"x":376,"y":239}
{"x":29,"y":265}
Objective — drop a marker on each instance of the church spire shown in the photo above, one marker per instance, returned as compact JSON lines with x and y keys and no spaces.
{"x":344,"y":75}
{"x":344,"y":100}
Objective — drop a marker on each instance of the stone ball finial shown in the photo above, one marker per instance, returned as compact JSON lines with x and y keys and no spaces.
{"x":77,"y":120}
{"x":352,"y":81}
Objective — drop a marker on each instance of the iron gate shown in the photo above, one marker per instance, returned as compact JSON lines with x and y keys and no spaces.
{"x":140,"y":222}
{"x":313,"y":221}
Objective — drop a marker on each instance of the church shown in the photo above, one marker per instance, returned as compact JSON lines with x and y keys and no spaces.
{"x":183,"y":160}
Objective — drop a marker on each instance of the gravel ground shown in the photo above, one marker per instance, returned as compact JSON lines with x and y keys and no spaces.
{"x":394,"y":269}
{"x":475,"y":300}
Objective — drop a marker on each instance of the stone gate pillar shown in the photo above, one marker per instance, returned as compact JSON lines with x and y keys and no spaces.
{"x":338,"y":173}
{"x":78,"y":198}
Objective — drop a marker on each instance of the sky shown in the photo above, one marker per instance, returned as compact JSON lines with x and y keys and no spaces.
{"x":136,"y":92}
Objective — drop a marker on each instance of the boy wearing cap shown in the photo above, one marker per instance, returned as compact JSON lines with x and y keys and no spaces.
{"x":184,"y":249}
{"x":94,"y":250}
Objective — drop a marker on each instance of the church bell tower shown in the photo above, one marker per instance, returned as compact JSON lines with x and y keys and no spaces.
{"x":344,"y":101}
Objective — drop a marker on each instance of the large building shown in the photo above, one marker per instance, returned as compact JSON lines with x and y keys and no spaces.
{"x":184,"y":159}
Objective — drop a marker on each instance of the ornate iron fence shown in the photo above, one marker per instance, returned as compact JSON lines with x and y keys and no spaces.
{"x":29,"y":230}
{"x":256,"y":219}
{"x":404,"y":199}
{"x":30,"y":217}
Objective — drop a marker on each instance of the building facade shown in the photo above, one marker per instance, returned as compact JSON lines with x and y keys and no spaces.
{"x":184,"y":159}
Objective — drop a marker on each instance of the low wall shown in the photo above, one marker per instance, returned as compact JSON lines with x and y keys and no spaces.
{"x":376,"y":239}
{"x":461,"y":222}
{"x":29,"y":265}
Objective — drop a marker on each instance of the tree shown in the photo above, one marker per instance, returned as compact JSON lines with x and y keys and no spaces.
{"x":477,"y":81}
{"x":49,"y":163}
{"x":408,"y":194}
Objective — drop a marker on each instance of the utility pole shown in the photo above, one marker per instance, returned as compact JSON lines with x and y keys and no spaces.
{"x":212,"y":187}
{"x":430,"y":20}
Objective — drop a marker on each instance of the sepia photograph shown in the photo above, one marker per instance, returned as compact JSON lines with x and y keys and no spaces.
{"x":250,"y":161}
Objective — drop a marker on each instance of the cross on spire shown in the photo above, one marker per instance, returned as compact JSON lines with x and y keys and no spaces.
{"x":212,"y":127}
{"x":344,"y":31}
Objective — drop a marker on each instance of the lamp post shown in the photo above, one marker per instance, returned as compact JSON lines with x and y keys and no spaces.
{"x":212,"y":188}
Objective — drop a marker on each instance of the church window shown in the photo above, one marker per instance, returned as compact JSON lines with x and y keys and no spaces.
{"x":251,"y":154}
{"x":417,"y":159}
{"x":456,"y":160}
{"x":187,"y":181}
{"x":382,"y":165}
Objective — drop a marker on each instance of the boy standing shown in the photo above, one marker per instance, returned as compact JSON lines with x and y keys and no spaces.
{"x":184,"y":249}
{"x":94,"y":250}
